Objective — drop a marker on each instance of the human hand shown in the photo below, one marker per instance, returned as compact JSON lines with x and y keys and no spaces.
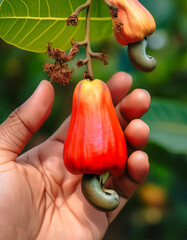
{"x":39,"y":198}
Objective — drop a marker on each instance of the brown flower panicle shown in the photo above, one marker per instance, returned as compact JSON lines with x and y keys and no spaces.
{"x":73,"y":51}
{"x":80,"y":63}
{"x":73,"y":20}
{"x":59,"y":74}
{"x":59,"y":71}
{"x":104,"y":57}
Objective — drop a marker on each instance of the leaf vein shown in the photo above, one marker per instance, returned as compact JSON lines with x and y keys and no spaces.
{"x":47,"y":29}
{"x":26,"y":7}
{"x":11,"y":8}
{"x":19,"y":31}
{"x":61,"y":31}
{"x":71,"y":6}
{"x":58,"y":19}
{"x":29,"y":32}
{"x":49,"y":13}
{"x":70,"y":38}
{"x":9,"y":29}
{"x":39,"y":10}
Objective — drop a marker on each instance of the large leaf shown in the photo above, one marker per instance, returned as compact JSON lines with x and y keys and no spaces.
{"x":168,"y":125}
{"x":31,"y":24}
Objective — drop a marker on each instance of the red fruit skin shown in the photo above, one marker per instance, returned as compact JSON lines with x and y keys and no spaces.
{"x":136,"y":19}
{"x":95,"y":142}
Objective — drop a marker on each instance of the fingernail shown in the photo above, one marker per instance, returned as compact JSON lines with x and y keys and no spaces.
{"x":38,"y":88}
{"x":148,"y":94}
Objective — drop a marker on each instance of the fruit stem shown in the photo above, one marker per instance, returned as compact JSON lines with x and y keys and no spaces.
{"x":73,"y":19}
{"x":113,"y":8}
{"x":88,"y":47}
{"x":86,"y":42}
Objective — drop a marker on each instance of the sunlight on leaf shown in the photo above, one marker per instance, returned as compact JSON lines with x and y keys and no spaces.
{"x":30,"y":25}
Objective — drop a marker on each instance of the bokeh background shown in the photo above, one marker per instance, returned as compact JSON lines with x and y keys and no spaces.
{"x":158,"y":210}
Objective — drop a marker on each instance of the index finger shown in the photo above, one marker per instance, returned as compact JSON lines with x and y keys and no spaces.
{"x":119,"y":85}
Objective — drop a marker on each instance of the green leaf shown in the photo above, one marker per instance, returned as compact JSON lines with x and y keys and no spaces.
{"x":168,"y":125}
{"x":30,"y":25}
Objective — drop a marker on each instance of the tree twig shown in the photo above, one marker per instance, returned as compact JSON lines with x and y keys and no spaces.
{"x":73,"y":19}
{"x":113,"y":8}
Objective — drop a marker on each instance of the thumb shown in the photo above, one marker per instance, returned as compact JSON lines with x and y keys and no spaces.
{"x":24,"y":121}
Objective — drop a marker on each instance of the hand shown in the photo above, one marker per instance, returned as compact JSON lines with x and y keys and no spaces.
{"x":39,"y":199}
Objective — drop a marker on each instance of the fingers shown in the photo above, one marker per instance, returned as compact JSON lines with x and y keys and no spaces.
{"x":119,"y":85}
{"x":24,"y":121}
{"x":137,"y":168}
{"x":133,"y":106}
{"x":137,"y":134}
{"x":136,"y":172}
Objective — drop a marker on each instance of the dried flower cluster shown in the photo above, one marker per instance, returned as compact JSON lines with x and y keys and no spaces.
{"x":104,"y":57}
{"x":59,"y":71}
{"x":73,"y":20}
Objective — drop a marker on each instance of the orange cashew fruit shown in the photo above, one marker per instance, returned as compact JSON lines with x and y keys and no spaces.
{"x":137,"y":22}
{"x":132,"y":23}
{"x":95,"y":143}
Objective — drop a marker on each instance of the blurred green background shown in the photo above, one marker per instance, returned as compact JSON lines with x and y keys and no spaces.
{"x":158,"y":210}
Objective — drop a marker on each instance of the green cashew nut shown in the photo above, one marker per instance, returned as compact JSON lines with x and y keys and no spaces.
{"x":99,"y":197}
{"x":139,"y":58}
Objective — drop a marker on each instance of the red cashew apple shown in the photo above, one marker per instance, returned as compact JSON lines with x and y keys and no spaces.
{"x":95,"y":142}
{"x":136,"y":21}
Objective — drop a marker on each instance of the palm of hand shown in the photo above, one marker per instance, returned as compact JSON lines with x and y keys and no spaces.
{"x":45,"y":199}
{"x":39,"y":199}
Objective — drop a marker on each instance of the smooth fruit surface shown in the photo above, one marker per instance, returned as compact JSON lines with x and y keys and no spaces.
{"x":95,"y":142}
{"x":136,"y":19}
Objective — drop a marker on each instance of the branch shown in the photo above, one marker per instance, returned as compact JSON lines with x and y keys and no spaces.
{"x":116,"y":22}
{"x":73,"y":19}
{"x":102,"y":56}
{"x":113,"y":8}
